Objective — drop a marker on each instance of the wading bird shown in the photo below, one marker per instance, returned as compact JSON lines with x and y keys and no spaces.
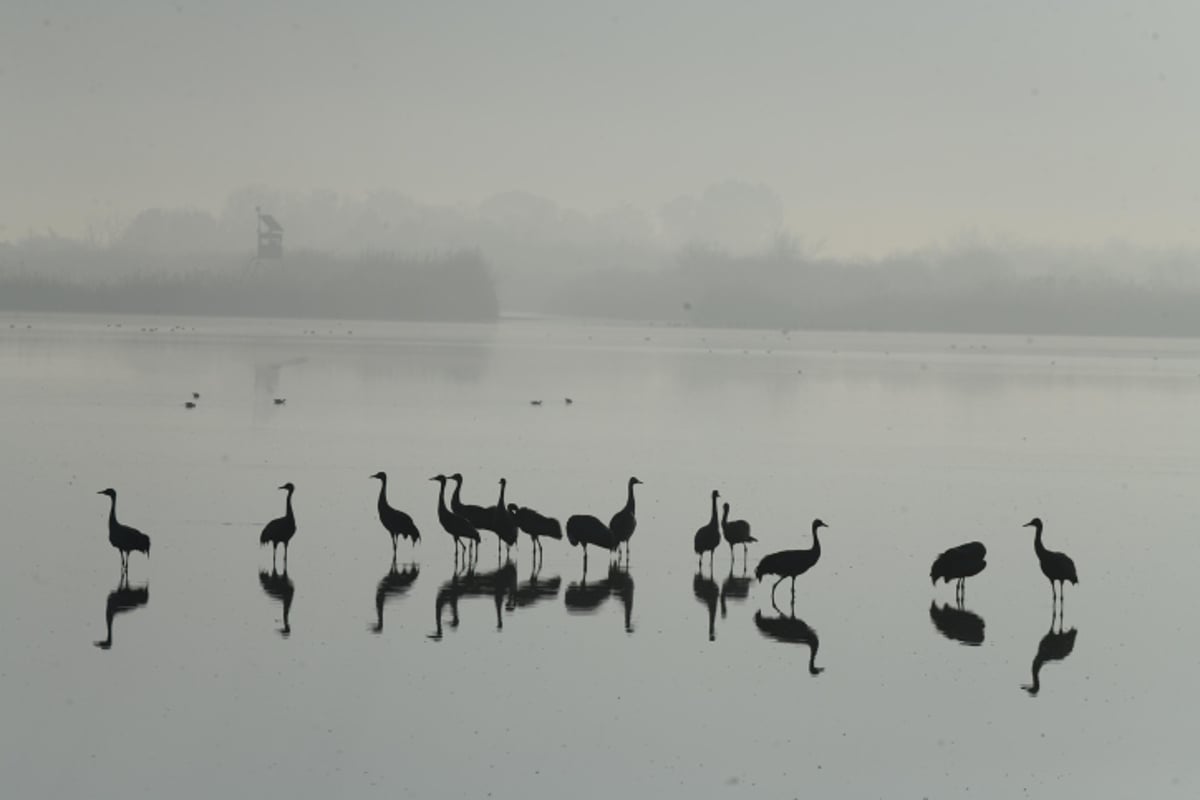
{"x":280,"y":530}
{"x":584,"y":529}
{"x":791,"y":563}
{"x":1055,"y":566}
{"x":709,"y":535}
{"x":957,"y":564}
{"x":458,"y":527}
{"x":736,"y":531}
{"x":396,"y":522}
{"x":535,"y":525}
{"x":624,"y":521}
{"x":123,"y":537}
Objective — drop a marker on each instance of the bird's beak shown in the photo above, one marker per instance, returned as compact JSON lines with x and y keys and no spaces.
{"x":1027,"y":525}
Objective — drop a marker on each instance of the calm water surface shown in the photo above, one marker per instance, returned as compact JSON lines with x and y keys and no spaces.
{"x":347,"y":678}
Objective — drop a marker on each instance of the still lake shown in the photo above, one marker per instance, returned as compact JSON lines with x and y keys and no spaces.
{"x":655,"y":681}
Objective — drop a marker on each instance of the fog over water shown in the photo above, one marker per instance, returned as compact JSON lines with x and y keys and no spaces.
{"x":891,"y":280}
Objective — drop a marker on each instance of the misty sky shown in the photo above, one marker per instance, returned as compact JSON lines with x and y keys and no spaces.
{"x":880,"y":125}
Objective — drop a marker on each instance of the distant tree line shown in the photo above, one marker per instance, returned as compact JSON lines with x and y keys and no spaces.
{"x":454,"y":286}
{"x":960,"y":291}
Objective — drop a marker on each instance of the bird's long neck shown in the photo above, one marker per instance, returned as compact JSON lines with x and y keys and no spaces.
{"x":112,"y":511}
{"x":383,"y":492}
{"x":725,"y":522}
{"x":816,"y":548}
{"x":629,"y":498}
{"x":456,"y":497}
{"x":1038,"y":547}
{"x":713,"y":519}
{"x":501,"y":505}
{"x":442,"y":497}
{"x":289,"y":514}
{"x":812,"y":657}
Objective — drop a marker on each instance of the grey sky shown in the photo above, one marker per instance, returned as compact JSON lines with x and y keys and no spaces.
{"x":879,"y":125}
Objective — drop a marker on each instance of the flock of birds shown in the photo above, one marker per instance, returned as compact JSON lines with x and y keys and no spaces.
{"x":463,"y":523}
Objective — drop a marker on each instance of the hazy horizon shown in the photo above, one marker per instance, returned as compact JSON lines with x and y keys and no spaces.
{"x":878,"y":128}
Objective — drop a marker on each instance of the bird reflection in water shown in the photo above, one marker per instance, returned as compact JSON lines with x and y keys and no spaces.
{"x":279,"y":586}
{"x":734,"y":588}
{"x":123,"y":598}
{"x":395,"y":583}
{"x":1054,"y":646}
{"x":957,"y":623}
{"x":499,"y":584}
{"x":790,"y":630}
{"x":537,"y":588}
{"x":706,"y":591}
{"x":585,"y":598}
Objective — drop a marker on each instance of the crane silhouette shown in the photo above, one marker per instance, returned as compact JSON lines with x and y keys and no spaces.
{"x":709,"y":535}
{"x":584,"y":529}
{"x":706,"y":591}
{"x":480,"y":518}
{"x":624,"y":522}
{"x":1054,"y":646}
{"x":458,"y":527}
{"x":791,"y":563}
{"x":280,"y":587}
{"x":504,"y":522}
{"x":957,"y":624}
{"x":736,"y":531}
{"x":790,"y":630}
{"x":280,"y":530}
{"x":535,"y":525}
{"x":395,"y":522}
{"x":395,"y":583}
{"x":120,"y":600}
{"x":957,"y":564}
{"x":123,"y":537}
{"x":1055,"y":566}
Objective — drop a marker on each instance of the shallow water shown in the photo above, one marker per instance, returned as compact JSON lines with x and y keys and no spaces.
{"x":652,"y":680}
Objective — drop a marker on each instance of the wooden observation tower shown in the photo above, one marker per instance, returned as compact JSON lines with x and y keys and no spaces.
{"x":270,"y":237}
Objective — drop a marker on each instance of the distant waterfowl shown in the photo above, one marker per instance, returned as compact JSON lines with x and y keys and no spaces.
{"x":395,"y":584}
{"x":709,"y":535}
{"x":535,"y":525}
{"x":957,"y":564}
{"x":189,"y":404}
{"x":280,"y":530}
{"x":1054,"y":646}
{"x":624,"y":522}
{"x":504,"y":523}
{"x":1055,"y":566}
{"x":120,"y":600}
{"x":535,"y":402}
{"x":195,"y":395}
{"x":791,"y":563}
{"x":280,"y":401}
{"x":736,"y":531}
{"x":458,"y":527}
{"x":279,"y":586}
{"x":792,"y":631}
{"x":957,"y":624}
{"x":395,"y":522}
{"x":123,"y":537}
{"x":706,"y":591}
{"x":568,"y":400}
{"x":584,"y":529}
